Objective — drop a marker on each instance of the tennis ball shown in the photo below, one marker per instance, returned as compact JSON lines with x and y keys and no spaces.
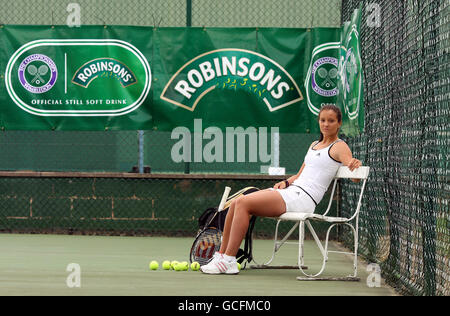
{"x":178,"y":267}
{"x":184,"y":265}
{"x":154,"y":265}
{"x":195,"y":266}
{"x":173,"y":264}
{"x":166,"y":265}
{"x":239,"y":266}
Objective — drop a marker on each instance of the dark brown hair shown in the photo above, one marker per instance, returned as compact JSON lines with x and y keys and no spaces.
{"x":333,"y":108}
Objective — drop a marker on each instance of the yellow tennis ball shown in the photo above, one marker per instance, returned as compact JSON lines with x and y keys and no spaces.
{"x":173,"y":264}
{"x":184,"y":265}
{"x":154,"y":265}
{"x":166,"y":265}
{"x":195,"y":266}
{"x":239,"y":266}
{"x":178,"y":267}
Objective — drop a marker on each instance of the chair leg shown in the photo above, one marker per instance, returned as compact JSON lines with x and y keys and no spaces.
{"x":355,"y":253}
{"x":301,"y":239}
{"x":275,"y":243}
{"x":322,"y":250}
{"x":276,"y":246}
{"x":301,"y":248}
{"x":325,"y":251}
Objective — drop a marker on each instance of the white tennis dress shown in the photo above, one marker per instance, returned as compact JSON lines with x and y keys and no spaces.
{"x":308,"y":189}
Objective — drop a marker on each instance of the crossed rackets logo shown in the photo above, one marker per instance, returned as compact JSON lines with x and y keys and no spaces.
{"x":37,"y":73}
{"x":328,"y":76}
{"x":324,"y":76}
{"x":321,"y":82}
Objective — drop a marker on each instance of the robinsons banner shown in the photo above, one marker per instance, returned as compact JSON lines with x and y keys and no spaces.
{"x":144,"y":78}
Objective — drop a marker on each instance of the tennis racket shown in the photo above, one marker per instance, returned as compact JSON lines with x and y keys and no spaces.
{"x":208,"y":240}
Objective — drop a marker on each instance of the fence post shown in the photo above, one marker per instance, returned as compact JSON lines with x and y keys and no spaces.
{"x":141,"y":151}
{"x":188,"y":13}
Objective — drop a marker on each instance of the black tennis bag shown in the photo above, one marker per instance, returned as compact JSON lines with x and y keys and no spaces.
{"x":219,"y":223}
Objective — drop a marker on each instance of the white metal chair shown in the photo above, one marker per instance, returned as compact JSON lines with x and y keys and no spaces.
{"x":301,"y":219}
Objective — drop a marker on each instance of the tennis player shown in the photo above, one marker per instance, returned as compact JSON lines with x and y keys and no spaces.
{"x":299,"y":193}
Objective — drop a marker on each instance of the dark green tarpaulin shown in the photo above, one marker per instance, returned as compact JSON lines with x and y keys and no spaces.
{"x":143,"y":78}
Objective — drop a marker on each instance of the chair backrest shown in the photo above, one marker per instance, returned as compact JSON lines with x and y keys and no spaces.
{"x":360,"y":173}
{"x":345,"y":173}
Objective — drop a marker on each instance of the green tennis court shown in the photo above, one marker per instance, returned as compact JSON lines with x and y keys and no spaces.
{"x":36,"y":265}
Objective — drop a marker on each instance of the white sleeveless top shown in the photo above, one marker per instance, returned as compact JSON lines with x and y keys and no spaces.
{"x":318,"y":173}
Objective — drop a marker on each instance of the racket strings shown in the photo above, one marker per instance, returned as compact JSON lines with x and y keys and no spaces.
{"x":206,"y":244}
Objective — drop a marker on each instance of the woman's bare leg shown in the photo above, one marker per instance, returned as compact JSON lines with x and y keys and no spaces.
{"x":266,"y":203}
{"x":227,"y":227}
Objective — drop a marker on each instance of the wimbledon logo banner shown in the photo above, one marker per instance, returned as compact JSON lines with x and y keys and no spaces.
{"x":350,"y":83}
{"x":351,"y":74}
{"x":67,"y":83}
{"x":321,"y":80}
{"x":78,"y":77}
{"x":232,"y":69}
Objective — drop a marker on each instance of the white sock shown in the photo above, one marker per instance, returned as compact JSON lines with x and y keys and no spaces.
{"x":229,"y":258}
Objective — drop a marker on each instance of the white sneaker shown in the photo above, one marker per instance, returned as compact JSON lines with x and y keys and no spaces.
{"x":232,"y":267}
{"x":211,"y":268}
{"x":219,"y":265}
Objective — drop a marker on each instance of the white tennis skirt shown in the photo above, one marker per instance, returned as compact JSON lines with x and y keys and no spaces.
{"x":297,"y":200}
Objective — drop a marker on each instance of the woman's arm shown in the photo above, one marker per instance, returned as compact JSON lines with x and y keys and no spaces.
{"x":341,"y":152}
{"x":282,"y":184}
{"x":294,"y":177}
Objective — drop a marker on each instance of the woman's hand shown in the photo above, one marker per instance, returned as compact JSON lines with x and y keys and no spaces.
{"x":285,"y":183}
{"x":354,"y":164}
{"x":280,"y":185}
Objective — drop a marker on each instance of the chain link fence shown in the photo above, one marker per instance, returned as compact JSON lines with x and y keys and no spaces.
{"x":120,"y":151}
{"x":114,"y":204}
{"x":178,"y":13}
{"x":405,"y":216}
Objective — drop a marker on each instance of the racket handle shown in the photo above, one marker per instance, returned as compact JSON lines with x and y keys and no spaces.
{"x":224,"y":198}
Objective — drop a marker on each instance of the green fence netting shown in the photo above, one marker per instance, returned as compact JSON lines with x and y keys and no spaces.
{"x":405,"y":216}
